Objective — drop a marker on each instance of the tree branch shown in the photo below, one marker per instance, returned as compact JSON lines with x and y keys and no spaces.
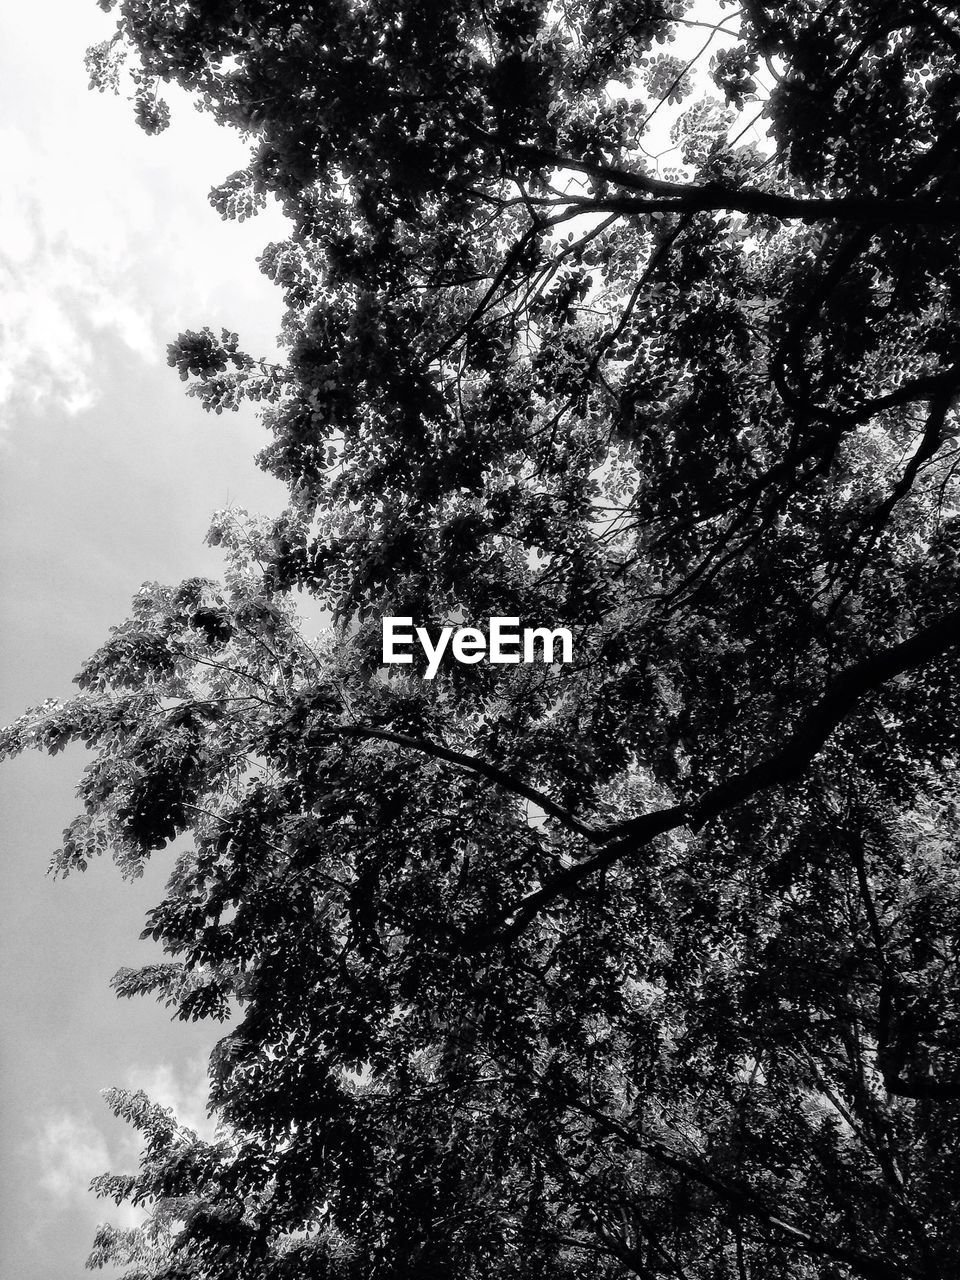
{"x":749,"y":1202}
{"x":473,"y":765}
{"x":816,"y":727}
{"x":683,"y":197}
{"x":803,"y":744}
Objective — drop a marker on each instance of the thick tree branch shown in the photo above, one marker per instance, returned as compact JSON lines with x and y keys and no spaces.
{"x":934,"y":434}
{"x":643,"y":830}
{"x":473,"y":765}
{"x":920,"y":1086}
{"x":786,"y":764}
{"x":818,"y":724}
{"x":659,"y":195}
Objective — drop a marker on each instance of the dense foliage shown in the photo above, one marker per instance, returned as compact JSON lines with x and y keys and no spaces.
{"x":644,"y":965}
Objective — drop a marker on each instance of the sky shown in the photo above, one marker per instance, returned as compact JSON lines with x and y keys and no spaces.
{"x":108,"y":477}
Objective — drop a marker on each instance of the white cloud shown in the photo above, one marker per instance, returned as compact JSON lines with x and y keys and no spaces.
{"x":71,"y":1150}
{"x":59,"y":285}
{"x":183,"y":1088}
{"x":104,"y":233}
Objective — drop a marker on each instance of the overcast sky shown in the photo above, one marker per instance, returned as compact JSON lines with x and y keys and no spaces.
{"x":108,"y":476}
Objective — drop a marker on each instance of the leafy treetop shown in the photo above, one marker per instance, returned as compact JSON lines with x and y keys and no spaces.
{"x":641,"y":966}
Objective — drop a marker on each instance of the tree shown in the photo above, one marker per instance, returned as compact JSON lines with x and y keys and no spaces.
{"x":642,"y":965}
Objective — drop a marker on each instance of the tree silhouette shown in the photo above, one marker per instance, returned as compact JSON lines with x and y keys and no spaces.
{"x":639,"y":965}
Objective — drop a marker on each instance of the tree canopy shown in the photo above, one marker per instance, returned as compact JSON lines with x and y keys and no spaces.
{"x":641,"y":319}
